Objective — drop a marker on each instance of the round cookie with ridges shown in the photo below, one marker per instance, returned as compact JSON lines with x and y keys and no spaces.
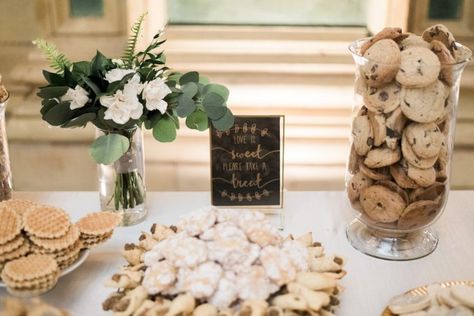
{"x":418,"y":214}
{"x":419,"y":67}
{"x":425,"y":139}
{"x":362,"y":135}
{"x":383,"y":61}
{"x":424,"y":105}
{"x":357,"y":183}
{"x":46,"y":222}
{"x":382,"y":157}
{"x":10,"y":225}
{"x":382,"y":204}
{"x":383,"y":99}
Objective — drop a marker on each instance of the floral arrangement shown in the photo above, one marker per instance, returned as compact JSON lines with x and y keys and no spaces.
{"x":119,"y":95}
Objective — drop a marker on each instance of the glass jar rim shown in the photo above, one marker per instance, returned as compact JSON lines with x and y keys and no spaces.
{"x":355,"y":45}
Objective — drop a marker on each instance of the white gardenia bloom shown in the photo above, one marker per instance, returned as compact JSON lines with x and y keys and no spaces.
{"x":133,"y":86}
{"x":78,"y":97}
{"x":122,"y":107}
{"x":117,"y":74}
{"x":154,"y":92}
{"x":119,"y":62}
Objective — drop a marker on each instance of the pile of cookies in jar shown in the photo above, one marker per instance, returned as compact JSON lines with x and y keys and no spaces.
{"x":225,"y":262}
{"x":402,"y":133}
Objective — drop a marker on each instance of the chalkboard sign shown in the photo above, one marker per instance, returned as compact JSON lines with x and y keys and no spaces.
{"x":246,"y":163}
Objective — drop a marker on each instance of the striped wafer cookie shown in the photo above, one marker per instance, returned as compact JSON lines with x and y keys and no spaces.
{"x":30,"y":267}
{"x":20,"y":206}
{"x":56,"y":244}
{"x":98,"y":223}
{"x":10,"y":225}
{"x":46,"y":222}
{"x":12,"y":245}
{"x":19,"y":252}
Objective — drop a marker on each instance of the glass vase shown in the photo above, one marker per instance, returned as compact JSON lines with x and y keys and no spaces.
{"x":5,"y":171}
{"x":398,"y":171}
{"x":122,"y":183}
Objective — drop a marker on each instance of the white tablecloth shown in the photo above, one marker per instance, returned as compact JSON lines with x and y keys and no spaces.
{"x":369,"y":283}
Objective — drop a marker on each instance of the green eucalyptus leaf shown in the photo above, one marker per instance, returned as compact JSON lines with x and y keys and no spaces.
{"x":197,"y":120}
{"x":59,"y":114}
{"x":81,"y":120}
{"x":52,"y":92}
{"x":53,"y":78}
{"x":164,"y":130}
{"x":107,"y":149}
{"x":217,"y":88}
{"x":214,"y":106}
{"x":203,"y":80}
{"x":225,"y":122}
{"x":190,"y":89}
{"x":152,"y":119}
{"x":185,"y":106}
{"x":192,"y":76}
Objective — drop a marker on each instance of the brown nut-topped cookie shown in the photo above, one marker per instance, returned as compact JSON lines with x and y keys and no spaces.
{"x":382,"y":204}
{"x":426,"y":104}
{"x":419,"y":67}
{"x":383,"y":63}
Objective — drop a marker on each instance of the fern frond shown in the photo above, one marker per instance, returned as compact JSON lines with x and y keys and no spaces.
{"x":129,"y":52}
{"x":57,"y":60}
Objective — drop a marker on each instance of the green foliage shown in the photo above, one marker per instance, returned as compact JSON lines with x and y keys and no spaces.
{"x":107,"y":149}
{"x":57,"y":60}
{"x":225,"y":122}
{"x":165,"y":130}
{"x":197,"y":120}
{"x":128,"y":56}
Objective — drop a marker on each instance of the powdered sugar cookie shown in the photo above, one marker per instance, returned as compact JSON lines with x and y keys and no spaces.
{"x":203,"y":280}
{"x":253,"y":283}
{"x":196,"y":223}
{"x":297,"y":253}
{"x":278,"y":267}
{"x":159,"y":276}
{"x":226,"y":292}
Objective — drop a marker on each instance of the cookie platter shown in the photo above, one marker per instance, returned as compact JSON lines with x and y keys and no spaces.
{"x":225,"y":262}
{"x":454,"y":298}
{"x":39,"y":243}
{"x":83,"y":254}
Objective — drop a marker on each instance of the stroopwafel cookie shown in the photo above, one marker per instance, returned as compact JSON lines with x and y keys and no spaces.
{"x":90,"y":242}
{"x":57,"y":244}
{"x":20,"y":206}
{"x":46,"y":222}
{"x":20,"y":251}
{"x":98,"y":223}
{"x":10,"y":225}
{"x":12,"y":245}
{"x":58,"y":253}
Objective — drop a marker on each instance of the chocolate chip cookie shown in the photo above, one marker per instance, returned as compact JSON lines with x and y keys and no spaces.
{"x":419,"y":67}
{"x":383,"y":61}
{"x":413,"y":159}
{"x":399,"y":172}
{"x":440,"y":33}
{"x":363,"y":137}
{"x":425,"y":139}
{"x":356,"y":184}
{"x":383,"y":99}
{"x":382,"y":204}
{"x":418,"y":214}
{"x":424,"y":105}
{"x":377,"y":122}
{"x":382,"y":157}
{"x":422,"y":177}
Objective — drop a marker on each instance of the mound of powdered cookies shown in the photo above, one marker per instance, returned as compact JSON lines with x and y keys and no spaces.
{"x":402,"y":134}
{"x":38,"y":241}
{"x":438,"y":299}
{"x":221,"y":262}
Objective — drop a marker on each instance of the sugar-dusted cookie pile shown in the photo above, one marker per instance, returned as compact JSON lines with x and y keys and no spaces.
{"x":402,"y":133}
{"x":439,"y":300}
{"x":220,"y":262}
{"x":38,"y":241}
{"x":10,"y":306}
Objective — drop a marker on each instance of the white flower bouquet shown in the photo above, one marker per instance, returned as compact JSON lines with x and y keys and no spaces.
{"x":119,"y":95}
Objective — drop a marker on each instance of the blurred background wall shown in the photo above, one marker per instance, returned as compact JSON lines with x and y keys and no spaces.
{"x":277,"y":57}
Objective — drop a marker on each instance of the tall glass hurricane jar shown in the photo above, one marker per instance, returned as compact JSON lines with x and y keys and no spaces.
{"x":122,"y":183}
{"x":403,"y":126}
{"x":5,"y":171}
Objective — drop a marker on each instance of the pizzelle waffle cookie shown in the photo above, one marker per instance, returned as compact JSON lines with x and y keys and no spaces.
{"x":221,"y":262}
{"x":63,"y":242}
{"x":46,"y":222}
{"x":30,"y":275}
{"x":20,"y":206}
{"x":10,"y":225}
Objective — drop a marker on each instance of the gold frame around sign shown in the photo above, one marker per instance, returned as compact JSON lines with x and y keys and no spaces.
{"x":270,"y":208}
